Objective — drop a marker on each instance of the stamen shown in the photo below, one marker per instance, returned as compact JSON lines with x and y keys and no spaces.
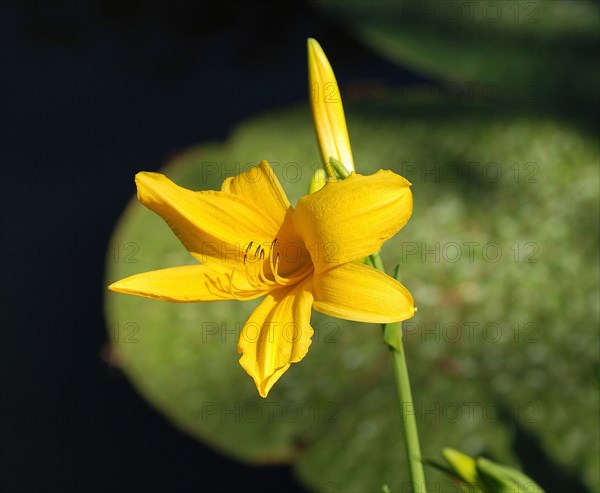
{"x":216,"y":285}
{"x":231,"y":289}
{"x":278,"y":278}
{"x":238,"y":295}
{"x":261,"y":268}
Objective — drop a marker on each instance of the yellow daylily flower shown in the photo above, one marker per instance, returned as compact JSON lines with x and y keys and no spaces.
{"x":251,"y":242}
{"x":327,"y":109}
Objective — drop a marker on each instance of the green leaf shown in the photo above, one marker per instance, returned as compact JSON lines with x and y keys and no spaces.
{"x":537,"y":53}
{"x":497,"y":478}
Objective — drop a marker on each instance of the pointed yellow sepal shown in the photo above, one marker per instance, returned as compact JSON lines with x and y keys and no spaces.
{"x":327,"y":109}
{"x":318,"y":181}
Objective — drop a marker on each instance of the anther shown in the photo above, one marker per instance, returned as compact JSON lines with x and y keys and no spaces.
{"x":249,"y":246}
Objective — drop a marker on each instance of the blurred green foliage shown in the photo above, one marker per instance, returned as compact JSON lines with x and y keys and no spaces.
{"x":540,"y":54}
{"x":500,"y":255}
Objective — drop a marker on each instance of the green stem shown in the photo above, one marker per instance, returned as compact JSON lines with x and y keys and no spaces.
{"x":409,"y":421}
{"x":377,"y":263}
{"x":392,"y":334}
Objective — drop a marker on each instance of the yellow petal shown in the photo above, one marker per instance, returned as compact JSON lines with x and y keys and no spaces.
{"x":260,"y":187}
{"x":361,"y":293}
{"x":277,"y":334}
{"x":351,"y":219}
{"x":189,"y":283}
{"x":210,"y":224}
{"x":327,"y":109}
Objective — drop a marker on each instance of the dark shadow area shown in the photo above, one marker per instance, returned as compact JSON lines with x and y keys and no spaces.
{"x":549,"y":475}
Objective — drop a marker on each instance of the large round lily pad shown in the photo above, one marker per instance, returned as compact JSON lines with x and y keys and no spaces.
{"x":500,"y":254}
